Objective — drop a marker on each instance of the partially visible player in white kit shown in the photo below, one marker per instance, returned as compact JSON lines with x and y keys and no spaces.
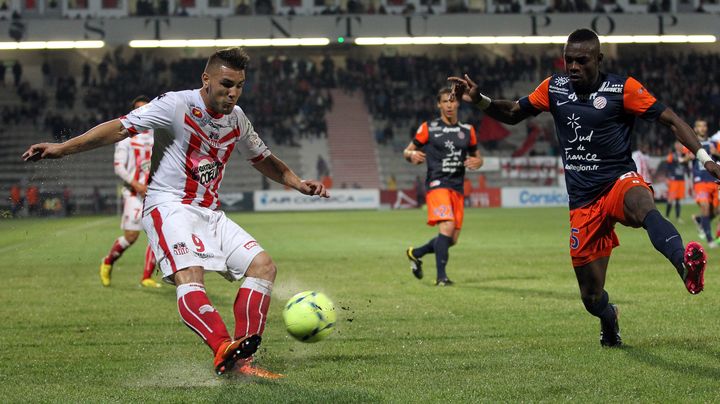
{"x":195,"y":133}
{"x":132,"y":165}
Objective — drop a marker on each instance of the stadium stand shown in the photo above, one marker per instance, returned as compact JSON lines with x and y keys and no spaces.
{"x":301,"y":97}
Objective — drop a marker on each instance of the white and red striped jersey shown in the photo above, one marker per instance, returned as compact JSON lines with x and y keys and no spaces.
{"x":642,"y":162}
{"x":132,"y":160}
{"x":192,"y":147}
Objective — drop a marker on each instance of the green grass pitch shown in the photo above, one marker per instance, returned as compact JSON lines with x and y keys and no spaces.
{"x":513,"y":329}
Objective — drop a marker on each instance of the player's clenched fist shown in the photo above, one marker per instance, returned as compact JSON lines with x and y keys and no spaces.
{"x":43,"y":151}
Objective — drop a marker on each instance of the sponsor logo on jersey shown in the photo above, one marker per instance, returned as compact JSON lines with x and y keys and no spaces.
{"x":180,"y":248}
{"x":600,"y":102}
{"x":449,"y":130}
{"x":606,"y":87}
{"x":203,"y":255}
{"x":206,"y":171}
{"x":434,"y":183}
{"x":250,"y":245}
{"x":561,"y":80}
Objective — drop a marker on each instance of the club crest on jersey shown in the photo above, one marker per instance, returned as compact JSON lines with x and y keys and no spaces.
{"x":461,"y":135}
{"x":180,"y":248}
{"x":600,"y":102}
{"x":196,"y":112}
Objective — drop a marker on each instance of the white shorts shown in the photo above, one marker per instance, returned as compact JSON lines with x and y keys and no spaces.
{"x":132,"y":213}
{"x":185,"y":236}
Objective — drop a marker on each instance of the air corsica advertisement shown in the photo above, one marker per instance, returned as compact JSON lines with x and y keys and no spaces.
{"x":340,"y":199}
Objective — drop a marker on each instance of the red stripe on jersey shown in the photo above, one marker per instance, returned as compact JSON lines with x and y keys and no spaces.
{"x":136,"y":153}
{"x":157,"y":222}
{"x":191,"y":185}
{"x":208,"y":197}
{"x":235,"y":132}
{"x":258,"y":158}
{"x":223,"y":160}
{"x":189,"y":121}
{"x":148,"y":156}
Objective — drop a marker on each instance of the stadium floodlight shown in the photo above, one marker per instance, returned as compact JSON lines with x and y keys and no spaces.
{"x":35,"y":45}
{"x":531,"y":39}
{"x":221,"y":43}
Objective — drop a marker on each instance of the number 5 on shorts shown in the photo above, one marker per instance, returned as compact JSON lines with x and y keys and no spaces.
{"x":574,"y":241}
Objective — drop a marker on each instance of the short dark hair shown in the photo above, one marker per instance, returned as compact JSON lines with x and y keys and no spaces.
{"x":139,"y":98}
{"x":583,"y":35}
{"x":235,"y":58}
{"x":444,"y":90}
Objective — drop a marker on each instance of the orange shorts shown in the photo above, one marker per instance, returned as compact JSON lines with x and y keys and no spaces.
{"x":706,"y":192}
{"x":592,"y":227}
{"x":445,"y":204}
{"x":676,"y":189}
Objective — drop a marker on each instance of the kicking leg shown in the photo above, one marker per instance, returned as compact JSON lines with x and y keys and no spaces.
{"x":591,"y":280}
{"x":689,"y":261}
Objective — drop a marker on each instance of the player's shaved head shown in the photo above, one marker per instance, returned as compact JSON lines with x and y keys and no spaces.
{"x":234,"y":58}
{"x":584,"y":35}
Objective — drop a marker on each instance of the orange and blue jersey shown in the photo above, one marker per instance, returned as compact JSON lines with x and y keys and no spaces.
{"x":676,"y":169}
{"x":700,"y":174}
{"x":446,"y":147}
{"x":593,"y":131}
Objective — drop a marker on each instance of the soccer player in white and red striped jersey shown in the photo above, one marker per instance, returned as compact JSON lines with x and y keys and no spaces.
{"x":195,"y":132}
{"x":132,"y":165}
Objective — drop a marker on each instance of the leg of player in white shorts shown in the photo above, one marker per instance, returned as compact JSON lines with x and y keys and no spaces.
{"x":190,"y":241}
{"x":131,"y":225}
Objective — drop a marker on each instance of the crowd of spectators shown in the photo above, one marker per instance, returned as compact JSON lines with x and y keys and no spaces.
{"x":288,"y":98}
{"x":401,"y":90}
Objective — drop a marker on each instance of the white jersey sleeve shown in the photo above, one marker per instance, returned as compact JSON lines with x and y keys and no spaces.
{"x":249,"y":143}
{"x":160,"y":113}
{"x":120,"y":160}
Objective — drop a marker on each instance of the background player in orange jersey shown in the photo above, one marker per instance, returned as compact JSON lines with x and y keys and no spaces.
{"x":132,"y":165}
{"x":594,"y":114}
{"x":448,"y":147}
{"x":705,"y":187}
{"x":677,"y":170}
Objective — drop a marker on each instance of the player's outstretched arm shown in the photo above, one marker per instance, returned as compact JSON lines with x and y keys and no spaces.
{"x":101,"y":135}
{"x":275,"y":169}
{"x":684,"y":133}
{"x":505,"y":111}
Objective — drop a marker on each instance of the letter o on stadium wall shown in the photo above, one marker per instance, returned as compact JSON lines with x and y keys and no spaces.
{"x":608,"y":24}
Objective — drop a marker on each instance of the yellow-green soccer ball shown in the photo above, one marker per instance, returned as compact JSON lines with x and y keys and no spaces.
{"x":309,"y":316}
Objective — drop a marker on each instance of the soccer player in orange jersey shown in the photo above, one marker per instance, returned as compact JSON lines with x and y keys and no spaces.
{"x":448,"y":147}
{"x":677,"y":170}
{"x":594,"y":114}
{"x":705,"y":186}
{"x":196,"y":132}
{"x":132,"y":165}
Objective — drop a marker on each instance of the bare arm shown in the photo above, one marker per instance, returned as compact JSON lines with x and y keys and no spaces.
{"x":275,"y":169}
{"x":104,"y":134}
{"x":505,"y":111}
{"x":685,"y":135}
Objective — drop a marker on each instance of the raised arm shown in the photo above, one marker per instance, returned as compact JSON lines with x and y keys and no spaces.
{"x":505,"y":111}
{"x":104,"y":134}
{"x":275,"y":169}
{"x":685,"y":135}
